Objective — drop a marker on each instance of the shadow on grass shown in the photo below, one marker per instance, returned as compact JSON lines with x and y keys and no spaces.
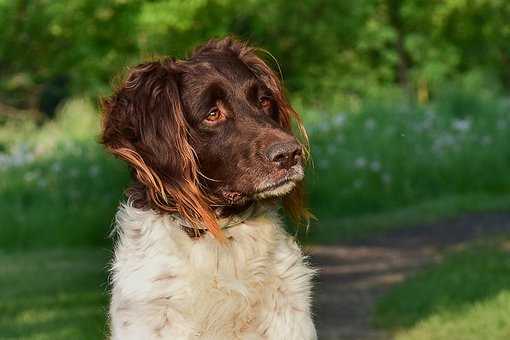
{"x":56,"y":294}
{"x":463,"y":280}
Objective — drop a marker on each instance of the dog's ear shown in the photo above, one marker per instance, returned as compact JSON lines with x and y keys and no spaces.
{"x":144,"y":124}
{"x":288,"y":118}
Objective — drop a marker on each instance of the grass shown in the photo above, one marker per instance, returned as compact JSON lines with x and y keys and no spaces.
{"x":466,"y":296}
{"x":484,"y":320}
{"x":329,"y":230}
{"x":57,"y":186}
{"x":53,"y":294}
{"x":386,"y":156}
{"x":381,"y":166}
{"x":62,"y":294}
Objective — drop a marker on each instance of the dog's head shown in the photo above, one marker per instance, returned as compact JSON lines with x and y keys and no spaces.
{"x":207,"y":134}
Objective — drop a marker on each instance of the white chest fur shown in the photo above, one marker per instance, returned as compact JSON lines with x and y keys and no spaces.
{"x":167,"y":285}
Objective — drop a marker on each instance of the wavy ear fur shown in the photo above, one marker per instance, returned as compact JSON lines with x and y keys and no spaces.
{"x":144,"y":124}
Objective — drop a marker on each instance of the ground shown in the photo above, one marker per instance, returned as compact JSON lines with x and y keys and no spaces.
{"x":63,"y":294}
{"x":352,"y":276}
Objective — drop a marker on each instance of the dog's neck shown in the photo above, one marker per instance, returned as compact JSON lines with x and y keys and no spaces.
{"x":241,"y":216}
{"x":229,"y":218}
{"x":232,"y":210}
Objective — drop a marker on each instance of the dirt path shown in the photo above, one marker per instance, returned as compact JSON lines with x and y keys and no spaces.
{"x":354,"y":275}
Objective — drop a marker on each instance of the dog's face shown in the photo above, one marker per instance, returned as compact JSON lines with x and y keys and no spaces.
{"x":206,"y":133}
{"x":242,"y":148}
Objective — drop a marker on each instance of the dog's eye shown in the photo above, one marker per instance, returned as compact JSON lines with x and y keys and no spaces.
{"x":265,"y":102}
{"x":214,"y":115}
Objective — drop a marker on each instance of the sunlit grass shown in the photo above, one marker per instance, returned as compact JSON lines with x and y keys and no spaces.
{"x":53,"y":294}
{"x":488,"y":319}
{"x":466,"y":296}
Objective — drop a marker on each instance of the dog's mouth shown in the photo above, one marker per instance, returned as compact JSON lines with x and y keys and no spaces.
{"x":278,"y":189}
{"x":268,"y":188}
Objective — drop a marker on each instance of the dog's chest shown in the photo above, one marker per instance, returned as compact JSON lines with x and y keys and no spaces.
{"x":182,"y":287}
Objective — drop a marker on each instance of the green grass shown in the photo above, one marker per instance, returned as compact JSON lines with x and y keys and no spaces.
{"x":53,"y":294}
{"x":466,"y":296}
{"x":489,"y":319}
{"x":388,"y":154}
{"x":57,"y":186}
{"x":330,"y":229}
{"x":381,"y":166}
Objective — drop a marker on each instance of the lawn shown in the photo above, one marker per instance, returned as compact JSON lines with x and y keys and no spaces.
{"x":465,"y":297}
{"x":53,"y":294}
{"x":62,"y":294}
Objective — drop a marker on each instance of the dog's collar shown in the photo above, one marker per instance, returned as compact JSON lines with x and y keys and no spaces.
{"x":253,"y":210}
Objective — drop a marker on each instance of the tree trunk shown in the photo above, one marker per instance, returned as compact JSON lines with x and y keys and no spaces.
{"x":404,"y":61}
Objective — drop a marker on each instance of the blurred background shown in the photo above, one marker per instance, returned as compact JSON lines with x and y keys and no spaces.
{"x":407,"y":106}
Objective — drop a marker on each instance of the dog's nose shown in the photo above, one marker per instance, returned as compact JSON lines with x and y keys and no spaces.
{"x":286,"y":155}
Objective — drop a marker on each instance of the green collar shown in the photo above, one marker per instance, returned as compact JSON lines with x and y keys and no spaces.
{"x":234,"y":220}
{"x":253,"y":210}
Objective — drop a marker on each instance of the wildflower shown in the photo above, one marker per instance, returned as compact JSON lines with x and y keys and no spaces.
{"x":94,"y":171}
{"x":3,"y":160}
{"x":29,"y":176}
{"x":501,"y":124}
{"x":461,"y":125}
{"x":75,"y":194}
{"x":486,"y":140}
{"x":323,"y":163}
{"x":331,"y":149}
{"x":323,"y":127}
{"x":56,"y":167}
{"x":442,"y":142}
{"x":360,"y":163}
{"x":19,"y":157}
{"x":74,"y":172}
{"x":357,"y":184}
{"x":430,"y":114}
{"x":339,"y":119}
{"x":370,"y":124}
{"x":42,"y":183}
{"x":375,"y":166}
{"x":386,"y":178}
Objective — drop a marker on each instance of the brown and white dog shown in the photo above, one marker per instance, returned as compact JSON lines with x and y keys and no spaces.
{"x":201,"y":252}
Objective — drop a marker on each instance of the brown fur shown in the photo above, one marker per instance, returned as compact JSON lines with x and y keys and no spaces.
{"x":153,"y":123}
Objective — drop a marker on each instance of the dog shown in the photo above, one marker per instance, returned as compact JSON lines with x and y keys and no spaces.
{"x":200,"y":249}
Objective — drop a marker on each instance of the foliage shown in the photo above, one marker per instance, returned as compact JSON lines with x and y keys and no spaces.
{"x":464,"y":297}
{"x":330,"y":51}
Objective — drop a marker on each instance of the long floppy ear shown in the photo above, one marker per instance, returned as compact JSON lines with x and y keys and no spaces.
{"x":144,"y":124}
{"x":294,"y":203}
